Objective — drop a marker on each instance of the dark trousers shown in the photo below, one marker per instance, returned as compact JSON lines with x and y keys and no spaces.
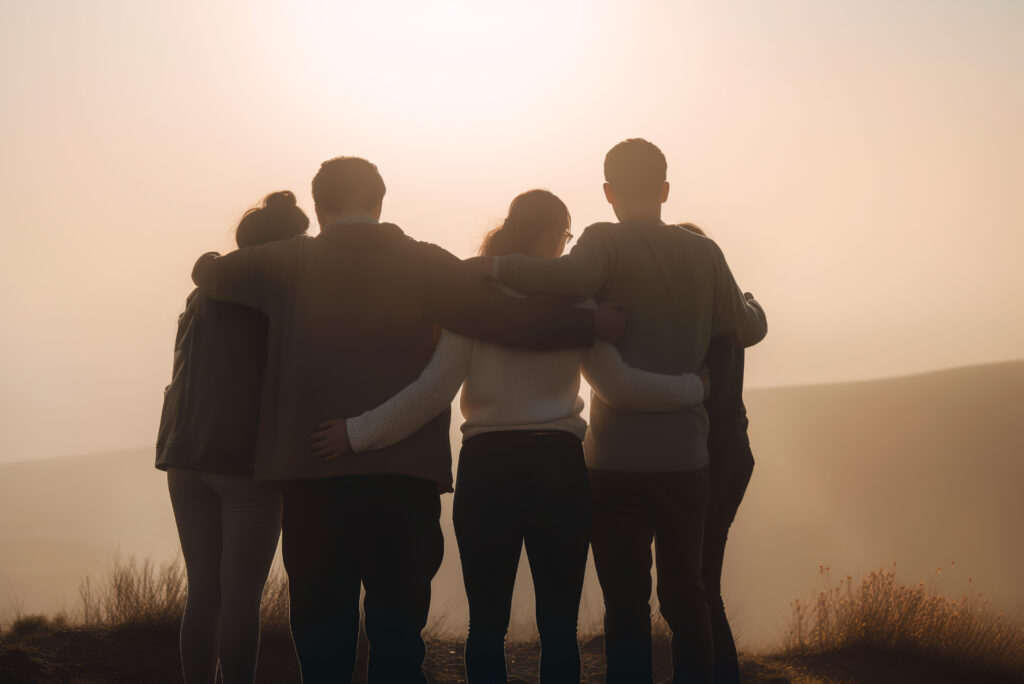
{"x":729,"y":480}
{"x":382,"y":531}
{"x":519,"y":487}
{"x":630,"y":511}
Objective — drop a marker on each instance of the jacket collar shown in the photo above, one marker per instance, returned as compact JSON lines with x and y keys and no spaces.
{"x":361,"y":236}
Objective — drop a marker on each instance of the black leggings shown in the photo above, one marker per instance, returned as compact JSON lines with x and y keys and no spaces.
{"x":730,"y":475}
{"x":515,"y":487}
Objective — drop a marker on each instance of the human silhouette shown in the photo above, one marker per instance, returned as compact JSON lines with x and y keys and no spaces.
{"x":730,"y":465}
{"x":228,"y":523}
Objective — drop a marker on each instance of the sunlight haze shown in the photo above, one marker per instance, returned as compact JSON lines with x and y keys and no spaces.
{"x":861,"y":165}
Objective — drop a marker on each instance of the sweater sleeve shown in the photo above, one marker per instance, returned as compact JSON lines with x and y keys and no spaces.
{"x":577,"y":276}
{"x":638,"y":391}
{"x":474,"y":306}
{"x":733,"y":315}
{"x":419,"y":402}
{"x":246,"y":276}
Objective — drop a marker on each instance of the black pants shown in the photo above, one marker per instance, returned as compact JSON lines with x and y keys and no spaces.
{"x":729,"y":479}
{"x":631,"y":510}
{"x":379,"y":530}
{"x":515,"y":487}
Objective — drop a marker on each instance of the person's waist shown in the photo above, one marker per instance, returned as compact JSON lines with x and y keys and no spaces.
{"x":525,"y":435}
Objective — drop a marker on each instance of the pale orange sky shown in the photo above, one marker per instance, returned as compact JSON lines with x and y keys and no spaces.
{"x":861,"y":164}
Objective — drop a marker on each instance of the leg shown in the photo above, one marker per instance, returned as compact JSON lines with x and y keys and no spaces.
{"x":197,"y":515}
{"x":251,"y":512}
{"x":729,"y":482}
{"x":490,"y":542}
{"x":621,"y":539}
{"x":323,"y":580}
{"x":680,"y":501}
{"x":402,"y":546}
{"x":557,"y":539}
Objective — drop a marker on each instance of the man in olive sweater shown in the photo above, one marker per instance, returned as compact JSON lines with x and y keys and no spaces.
{"x":648,"y":471}
{"x":352,"y":315}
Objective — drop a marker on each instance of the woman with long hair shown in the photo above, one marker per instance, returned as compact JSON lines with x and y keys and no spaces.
{"x":522,"y":478}
{"x":228,"y":523}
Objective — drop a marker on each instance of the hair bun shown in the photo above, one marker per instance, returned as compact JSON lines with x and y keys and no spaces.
{"x":283,"y":199}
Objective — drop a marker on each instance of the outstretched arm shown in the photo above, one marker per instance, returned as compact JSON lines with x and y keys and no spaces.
{"x":638,"y":391}
{"x":472,"y":305}
{"x":246,"y":276}
{"x":577,"y":276}
{"x":406,"y":412}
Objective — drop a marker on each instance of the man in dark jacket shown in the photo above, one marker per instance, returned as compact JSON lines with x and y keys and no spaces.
{"x":352,"y":316}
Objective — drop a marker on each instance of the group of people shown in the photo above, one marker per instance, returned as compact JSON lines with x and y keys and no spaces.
{"x":310,"y":399}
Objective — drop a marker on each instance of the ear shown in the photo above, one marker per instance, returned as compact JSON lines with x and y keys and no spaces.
{"x":664,"y":193}
{"x":609,"y":194}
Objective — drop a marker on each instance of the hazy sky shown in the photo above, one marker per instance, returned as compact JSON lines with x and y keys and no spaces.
{"x":861,"y":164}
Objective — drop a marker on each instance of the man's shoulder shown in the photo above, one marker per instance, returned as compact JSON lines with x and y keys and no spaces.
{"x":602,"y":228}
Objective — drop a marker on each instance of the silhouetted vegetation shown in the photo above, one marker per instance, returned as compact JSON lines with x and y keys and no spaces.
{"x":882,"y":616}
{"x":874,"y":631}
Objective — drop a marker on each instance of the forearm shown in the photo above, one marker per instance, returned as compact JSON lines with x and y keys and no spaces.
{"x":631,"y":389}
{"x":753,"y":324}
{"x":483,"y":312}
{"x":565,"y":278}
{"x":418,"y":403}
{"x":237,"y":277}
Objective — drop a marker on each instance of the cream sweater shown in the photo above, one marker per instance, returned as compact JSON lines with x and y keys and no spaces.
{"x":510,"y":388}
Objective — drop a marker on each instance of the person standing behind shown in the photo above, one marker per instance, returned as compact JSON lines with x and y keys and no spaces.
{"x":648,"y":472}
{"x":352,"y":315}
{"x":228,"y":523}
{"x":731,"y":464}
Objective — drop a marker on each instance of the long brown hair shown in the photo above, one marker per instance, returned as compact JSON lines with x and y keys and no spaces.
{"x":530,"y":215}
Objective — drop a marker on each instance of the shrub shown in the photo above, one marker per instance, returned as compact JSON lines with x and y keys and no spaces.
{"x":144,"y":594}
{"x":884,"y":615}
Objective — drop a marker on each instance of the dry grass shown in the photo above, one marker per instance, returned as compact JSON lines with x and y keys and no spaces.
{"x":879,"y":631}
{"x":883,"y":616}
{"x":145,"y":594}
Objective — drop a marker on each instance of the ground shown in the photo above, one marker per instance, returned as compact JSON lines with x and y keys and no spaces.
{"x":83,"y":656}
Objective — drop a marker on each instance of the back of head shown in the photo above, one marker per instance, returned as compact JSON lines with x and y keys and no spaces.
{"x":277,"y":218}
{"x":636,"y":170}
{"x":531,"y":215}
{"x":346,"y":184}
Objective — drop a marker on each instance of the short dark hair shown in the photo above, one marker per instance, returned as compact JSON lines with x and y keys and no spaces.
{"x":346,"y":184}
{"x":636,"y":169}
{"x":278,"y":218}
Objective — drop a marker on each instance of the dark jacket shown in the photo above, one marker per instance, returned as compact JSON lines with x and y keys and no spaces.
{"x":352,"y":315}
{"x":728,"y":444}
{"x":211,"y":408}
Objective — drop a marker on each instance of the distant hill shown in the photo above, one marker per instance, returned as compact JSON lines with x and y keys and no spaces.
{"x":921,"y":470}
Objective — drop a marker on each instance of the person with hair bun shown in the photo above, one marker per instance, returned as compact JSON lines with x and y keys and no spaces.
{"x":522,"y":478}
{"x":228,"y":523}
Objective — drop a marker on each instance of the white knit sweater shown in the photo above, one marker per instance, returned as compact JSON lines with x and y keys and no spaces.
{"x":509,"y":388}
